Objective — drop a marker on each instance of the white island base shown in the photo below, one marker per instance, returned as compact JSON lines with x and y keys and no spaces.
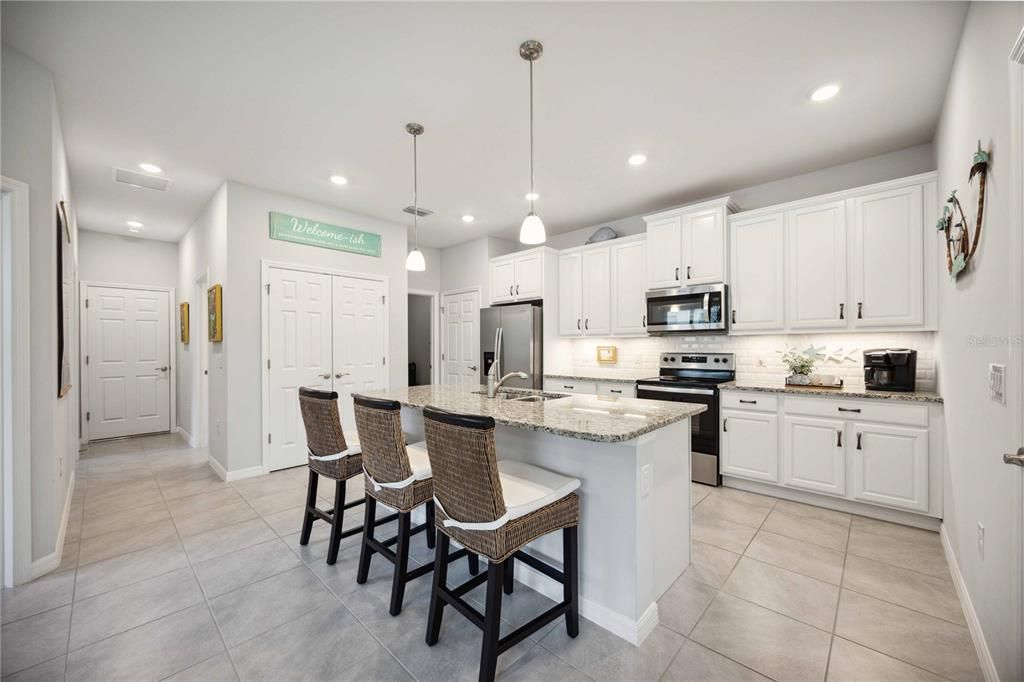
{"x":634,"y":532}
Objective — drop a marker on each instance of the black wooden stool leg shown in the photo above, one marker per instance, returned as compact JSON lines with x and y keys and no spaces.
{"x":366,"y":553}
{"x":339,"y":518}
{"x":474,"y":562}
{"x":307,"y":520}
{"x":431,"y":528}
{"x":492,"y":621}
{"x":509,"y":575}
{"x":440,"y":583}
{"x":401,"y":563}
{"x":571,"y":588}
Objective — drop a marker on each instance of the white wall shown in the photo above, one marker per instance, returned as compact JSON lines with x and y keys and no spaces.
{"x":978,"y":486}
{"x":248,"y":242}
{"x":467,"y":265}
{"x":118,"y":259}
{"x":420,"y":338}
{"x":33,"y":152}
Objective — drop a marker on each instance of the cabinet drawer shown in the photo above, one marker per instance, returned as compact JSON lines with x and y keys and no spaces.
{"x":886,"y":412}
{"x":750,"y":400}
{"x":617,"y":389}
{"x":570,"y":386}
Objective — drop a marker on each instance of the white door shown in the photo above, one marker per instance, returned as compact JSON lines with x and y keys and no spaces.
{"x":816,"y":236}
{"x":503,"y":280}
{"x":359,"y":354}
{"x":570,"y":295}
{"x":629,"y":285}
{"x":299,"y":326}
{"x":890,"y":465}
{"x":128,"y":360}
{"x":757,"y":273}
{"x":461,"y":339}
{"x":529,"y":276}
{"x":887,"y":259}
{"x":664,"y":250}
{"x":814,"y":454}
{"x":750,"y":445}
{"x":596,"y":280}
{"x":703,"y":242}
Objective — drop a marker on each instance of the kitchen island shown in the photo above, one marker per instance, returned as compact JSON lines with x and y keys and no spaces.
{"x":633,"y":460}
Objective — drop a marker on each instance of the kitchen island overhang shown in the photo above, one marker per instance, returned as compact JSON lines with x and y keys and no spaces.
{"x":633,"y":460}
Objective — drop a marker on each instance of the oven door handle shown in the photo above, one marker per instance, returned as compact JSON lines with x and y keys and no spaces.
{"x":667,"y":389}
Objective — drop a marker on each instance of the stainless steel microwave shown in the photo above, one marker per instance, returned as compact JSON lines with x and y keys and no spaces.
{"x":688,"y":310}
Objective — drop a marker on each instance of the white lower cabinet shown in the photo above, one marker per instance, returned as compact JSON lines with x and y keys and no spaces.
{"x":750,"y":444}
{"x":890,"y":465}
{"x":814,"y":454}
{"x":570,"y":386}
{"x":616,"y":389}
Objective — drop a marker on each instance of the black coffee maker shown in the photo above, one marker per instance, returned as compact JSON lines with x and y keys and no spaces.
{"x":890,"y":369}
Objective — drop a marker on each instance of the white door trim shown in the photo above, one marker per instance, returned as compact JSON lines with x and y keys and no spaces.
{"x":201,"y":429}
{"x":265,"y":266}
{"x":16,"y":445}
{"x":435,"y":330}
{"x":172,"y":316}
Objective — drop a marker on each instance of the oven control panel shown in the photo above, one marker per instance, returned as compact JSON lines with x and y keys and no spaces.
{"x":709,"y":361}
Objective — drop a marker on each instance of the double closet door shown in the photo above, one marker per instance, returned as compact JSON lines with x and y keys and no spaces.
{"x":325,"y":331}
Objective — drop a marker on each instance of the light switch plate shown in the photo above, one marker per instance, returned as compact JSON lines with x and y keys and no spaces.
{"x":997,"y":383}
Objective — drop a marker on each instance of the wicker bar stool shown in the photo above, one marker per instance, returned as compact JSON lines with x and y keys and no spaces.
{"x":495,"y":508}
{"x":398,"y":476}
{"x":332,"y":456}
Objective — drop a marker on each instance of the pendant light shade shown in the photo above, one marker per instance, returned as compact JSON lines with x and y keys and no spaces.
{"x":532,"y":231}
{"x":415,"y":262}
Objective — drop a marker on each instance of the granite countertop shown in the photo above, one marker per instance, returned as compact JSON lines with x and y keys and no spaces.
{"x":619,"y":376}
{"x":602,"y":419}
{"x":845,"y":392}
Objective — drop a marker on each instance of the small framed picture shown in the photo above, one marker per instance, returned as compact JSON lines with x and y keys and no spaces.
{"x":215,"y":313}
{"x":607,"y":355}
{"x":183,"y":315}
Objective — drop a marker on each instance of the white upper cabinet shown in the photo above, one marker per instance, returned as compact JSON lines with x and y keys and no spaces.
{"x":529,"y":275}
{"x":596,"y":289}
{"x":887,"y":259}
{"x":519,"y":276}
{"x":629,"y":285}
{"x":757,"y":273}
{"x":503,"y":279}
{"x":816,"y":239}
{"x":570,"y":296}
{"x":687,"y":245}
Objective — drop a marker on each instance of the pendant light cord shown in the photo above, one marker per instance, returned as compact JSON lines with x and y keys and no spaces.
{"x":415,"y":192}
{"x":531,"y":137}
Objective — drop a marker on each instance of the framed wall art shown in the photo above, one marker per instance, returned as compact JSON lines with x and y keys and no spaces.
{"x":215,"y":313}
{"x":183,"y":321}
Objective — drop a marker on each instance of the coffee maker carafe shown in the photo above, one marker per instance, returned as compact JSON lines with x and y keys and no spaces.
{"x":890,"y":369}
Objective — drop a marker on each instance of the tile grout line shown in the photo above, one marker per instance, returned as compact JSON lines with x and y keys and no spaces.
{"x":839,"y":596}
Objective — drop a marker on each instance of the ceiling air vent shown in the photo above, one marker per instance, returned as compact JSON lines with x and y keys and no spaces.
{"x":421,"y":212}
{"x":143,"y":180}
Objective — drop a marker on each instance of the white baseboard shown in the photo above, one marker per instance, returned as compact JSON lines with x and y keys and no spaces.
{"x":51,"y":561}
{"x":988,"y":666}
{"x":633,"y":631}
{"x":187,"y":436}
{"x":237,"y":474}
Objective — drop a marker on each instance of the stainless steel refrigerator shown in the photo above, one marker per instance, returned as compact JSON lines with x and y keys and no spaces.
{"x":522,"y":343}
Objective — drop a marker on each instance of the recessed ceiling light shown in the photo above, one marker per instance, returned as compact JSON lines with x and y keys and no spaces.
{"x":339,"y":179}
{"x":825,"y":92}
{"x":133,"y":230}
{"x":637,"y":160}
{"x":134,"y":223}
{"x":468,"y":218}
{"x":532,"y":196}
{"x":151,"y":168}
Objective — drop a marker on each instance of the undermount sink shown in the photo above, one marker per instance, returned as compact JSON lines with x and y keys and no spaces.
{"x":522,"y":395}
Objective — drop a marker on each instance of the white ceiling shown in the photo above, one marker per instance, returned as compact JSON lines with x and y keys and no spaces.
{"x":284,"y":95}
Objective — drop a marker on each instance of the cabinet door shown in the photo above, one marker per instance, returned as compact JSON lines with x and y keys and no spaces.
{"x":750,"y":445}
{"x":570,"y":298}
{"x":888,"y":259}
{"x":816,"y":237}
{"x":757,"y":273}
{"x":570,"y":386}
{"x":503,"y":280}
{"x":629,"y":300}
{"x":890,"y":465}
{"x":813,"y":454}
{"x":529,"y":276}
{"x":703,"y":241}
{"x":664,"y":253}
{"x":597,"y":306}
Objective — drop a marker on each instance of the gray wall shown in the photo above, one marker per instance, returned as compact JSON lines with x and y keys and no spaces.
{"x":118,"y":259}
{"x":420,"y":338}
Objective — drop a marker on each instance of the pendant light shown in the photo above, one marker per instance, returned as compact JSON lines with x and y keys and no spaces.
{"x":415,"y":262}
{"x":532,"y":230}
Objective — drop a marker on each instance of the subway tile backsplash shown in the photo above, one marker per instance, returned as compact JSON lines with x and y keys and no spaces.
{"x":759,"y":358}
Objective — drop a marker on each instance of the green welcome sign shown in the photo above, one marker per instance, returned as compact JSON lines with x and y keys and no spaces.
{"x":289,"y":228}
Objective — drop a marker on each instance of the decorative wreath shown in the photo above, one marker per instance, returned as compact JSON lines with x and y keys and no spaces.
{"x":959,"y":246}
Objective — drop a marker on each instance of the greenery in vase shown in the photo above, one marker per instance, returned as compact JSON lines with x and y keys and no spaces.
{"x":798,"y":363}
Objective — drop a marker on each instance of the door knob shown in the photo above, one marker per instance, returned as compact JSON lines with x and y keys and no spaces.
{"x":473,"y":367}
{"x":325,"y":376}
{"x":163,"y":369}
{"x":341,"y":374}
{"x":1017,"y":458}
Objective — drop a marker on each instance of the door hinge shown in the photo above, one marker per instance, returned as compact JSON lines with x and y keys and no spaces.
{"x":384,"y":361}
{"x":87,"y":359}
{"x":86,"y":303}
{"x":88,"y":416}
{"x":268,"y":288}
{"x":383,"y":298}
{"x":269,"y":439}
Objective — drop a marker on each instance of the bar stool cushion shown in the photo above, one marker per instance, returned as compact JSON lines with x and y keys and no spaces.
{"x":419,"y":462}
{"x":527,"y":488}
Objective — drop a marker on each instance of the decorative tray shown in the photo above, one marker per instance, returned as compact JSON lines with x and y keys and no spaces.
{"x":822,"y":387}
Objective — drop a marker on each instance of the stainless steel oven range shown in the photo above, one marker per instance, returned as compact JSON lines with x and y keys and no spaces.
{"x":694,"y":378}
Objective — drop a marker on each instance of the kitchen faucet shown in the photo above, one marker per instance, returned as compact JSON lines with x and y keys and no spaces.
{"x":493,"y":383}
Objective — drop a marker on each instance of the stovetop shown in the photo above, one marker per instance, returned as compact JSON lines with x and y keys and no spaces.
{"x":694,"y":369}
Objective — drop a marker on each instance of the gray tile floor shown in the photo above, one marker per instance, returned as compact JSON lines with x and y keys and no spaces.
{"x":170,"y":573}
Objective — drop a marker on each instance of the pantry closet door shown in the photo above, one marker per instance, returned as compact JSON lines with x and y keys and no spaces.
{"x":359,"y":353}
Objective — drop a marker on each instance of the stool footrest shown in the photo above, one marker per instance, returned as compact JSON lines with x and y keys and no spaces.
{"x":527,"y":629}
{"x":545,"y":568}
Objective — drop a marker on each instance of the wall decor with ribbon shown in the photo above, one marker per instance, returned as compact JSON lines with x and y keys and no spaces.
{"x":954,"y":225}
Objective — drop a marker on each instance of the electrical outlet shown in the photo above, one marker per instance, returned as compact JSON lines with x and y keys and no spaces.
{"x":981,"y":540}
{"x":645,"y":480}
